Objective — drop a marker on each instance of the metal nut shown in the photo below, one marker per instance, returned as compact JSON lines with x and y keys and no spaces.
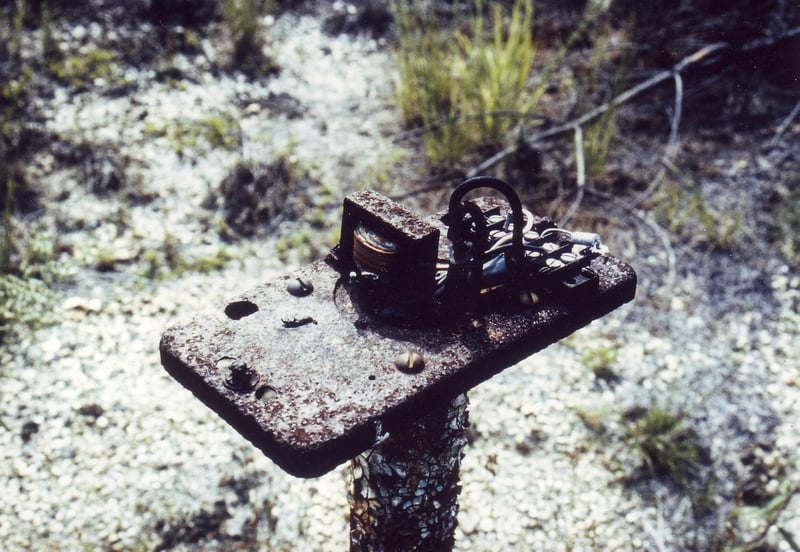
{"x":242,"y":378}
{"x":300,"y":287}
{"x":410,"y":362}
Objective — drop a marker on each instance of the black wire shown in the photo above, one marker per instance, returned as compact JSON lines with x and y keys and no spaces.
{"x":457,"y":206}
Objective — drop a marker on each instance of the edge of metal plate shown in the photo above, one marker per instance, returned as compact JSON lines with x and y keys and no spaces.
{"x":322,"y":378}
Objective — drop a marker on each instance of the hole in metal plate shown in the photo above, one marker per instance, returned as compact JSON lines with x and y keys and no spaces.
{"x":266,"y":393}
{"x":239,"y":309}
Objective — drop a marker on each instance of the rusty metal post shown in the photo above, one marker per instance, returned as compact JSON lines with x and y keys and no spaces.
{"x":405,"y":489}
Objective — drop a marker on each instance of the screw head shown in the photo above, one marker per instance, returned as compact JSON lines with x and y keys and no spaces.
{"x":529,"y":299}
{"x":242,"y":378}
{"x":409,"y":362}
{"x":299,"y":287}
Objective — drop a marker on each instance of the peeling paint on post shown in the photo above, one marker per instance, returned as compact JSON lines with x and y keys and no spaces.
{"x":405,"y":489}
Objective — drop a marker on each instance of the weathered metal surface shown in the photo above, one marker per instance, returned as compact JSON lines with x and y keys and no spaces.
{"x":405,"y":489}
{"x":308,"y":377}
{"x":413,"y":263}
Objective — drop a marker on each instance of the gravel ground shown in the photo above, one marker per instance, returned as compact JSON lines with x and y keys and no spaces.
{"x":100,"y":449}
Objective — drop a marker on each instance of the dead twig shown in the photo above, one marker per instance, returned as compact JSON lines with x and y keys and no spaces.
{"x":444,"y":121}
{"x":626,"y":96}
{"x":631,"y":93}
{"x":672,"y":144}
{"x":785,"y":125}
{"x":768,"y":42}
{"x":789,"y":538}
{"x":580,"y":168}
{"x":773,"y":511}
{"x":653,"y":225}
{"x":655,"y":536}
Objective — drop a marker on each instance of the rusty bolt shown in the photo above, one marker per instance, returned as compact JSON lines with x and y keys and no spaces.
{"x":300,"y":287}
{"x":242,"y":378}
{"x":410,"y":362}
{"x":529,"y":299}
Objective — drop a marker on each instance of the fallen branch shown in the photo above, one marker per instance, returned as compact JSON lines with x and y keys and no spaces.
{"x":631,"y":93}
{"x":626,"y":96}
{"x":672,"y":144}
{"x":444,"y":121}
{"x":654,"y":226}
{"x":785,"y":125}
{"x":772,"y":512}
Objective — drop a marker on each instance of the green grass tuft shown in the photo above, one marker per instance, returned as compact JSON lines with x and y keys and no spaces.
{"x":686,"y":213}
{"x":24,"y":303}
{"x":667,"y":446}
{"x":600,"y":359}
{"x":85,"y":69}
{"x":470,"y":86}
{"x":243,"y":21}
{"x":214,"y":131}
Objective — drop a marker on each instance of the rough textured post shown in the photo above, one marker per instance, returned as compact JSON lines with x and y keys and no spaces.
{"x":405,"y":489}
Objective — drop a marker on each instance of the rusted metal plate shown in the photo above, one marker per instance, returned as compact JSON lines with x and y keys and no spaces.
{"x":309,"y":377}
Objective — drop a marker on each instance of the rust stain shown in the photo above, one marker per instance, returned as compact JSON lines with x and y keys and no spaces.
{"x":330,"y":381}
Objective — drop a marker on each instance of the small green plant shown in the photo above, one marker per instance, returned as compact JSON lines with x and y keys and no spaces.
{"x":598,"y":142}
{"x":667,"y":446}
{"x":426,"y":82}
{"x":170,"y":262}
{"x":593,"y":87}
{"x":50,"y":48}
{"x":215,"y":131}
{"x":593,"y":419}
{"x":600,"y":359}
{"x":299,"y":247}
{"x":38,"y":259}
{"x":243,"y":21}
{"x":241,"y":17}
{"x":28,"y":280}
{"x":469,"y":88}
{"x":221,"y":131}
{"x":686,"y":213}
{"x":17,"y":18}
{"x":495,"y":68}
{"x":765,"y":518}
{"x":86,"y":68}
{"x":213,"y":262}
{"x":24,"y":303}
{"x":786,"y":228}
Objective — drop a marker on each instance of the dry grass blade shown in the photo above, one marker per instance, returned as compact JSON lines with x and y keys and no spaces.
{"x":580,"y":168}
{"x":785,"y":125}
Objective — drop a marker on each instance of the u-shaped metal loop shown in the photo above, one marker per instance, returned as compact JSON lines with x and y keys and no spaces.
{"x":457,"y":206}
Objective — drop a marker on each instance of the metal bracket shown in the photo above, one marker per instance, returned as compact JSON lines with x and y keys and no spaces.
{"x":306,"y":372}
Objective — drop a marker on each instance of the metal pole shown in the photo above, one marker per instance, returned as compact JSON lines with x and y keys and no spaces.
{"x":405,"y":489}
